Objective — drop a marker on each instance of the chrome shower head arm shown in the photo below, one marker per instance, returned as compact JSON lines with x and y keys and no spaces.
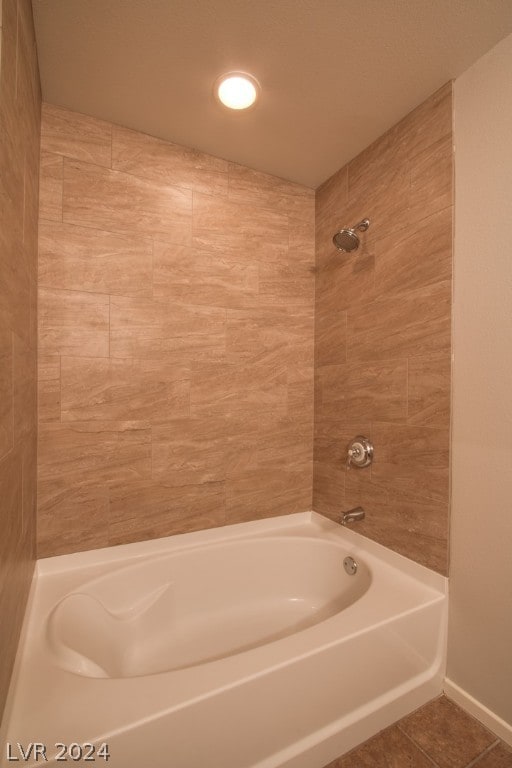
{"x":362,"y":226}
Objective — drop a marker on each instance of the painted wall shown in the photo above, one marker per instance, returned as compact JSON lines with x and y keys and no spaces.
{"x":480,"y":632}
{"x":20,"y":104}
{"x":383,"y":335}
{"x":176,"y":300}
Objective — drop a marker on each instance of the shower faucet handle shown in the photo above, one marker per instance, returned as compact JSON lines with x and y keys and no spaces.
{"x":359,"y":452}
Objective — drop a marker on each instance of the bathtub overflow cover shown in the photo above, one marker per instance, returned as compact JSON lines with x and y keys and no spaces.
{"x":350,"y":565}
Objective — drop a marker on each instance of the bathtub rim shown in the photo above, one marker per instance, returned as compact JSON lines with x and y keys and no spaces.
{"x":292,"y":523}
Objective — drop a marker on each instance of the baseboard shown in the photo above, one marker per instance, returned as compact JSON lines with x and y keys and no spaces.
{"x":461,"y":697}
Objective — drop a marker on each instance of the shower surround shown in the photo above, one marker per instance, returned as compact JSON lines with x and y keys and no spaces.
{"x":383,"y":335}
{"x":176,"y":300}
{"x":176,"y":309}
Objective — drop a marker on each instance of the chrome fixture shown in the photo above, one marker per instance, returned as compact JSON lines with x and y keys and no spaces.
{"x":360,"y":452}
{"x":350,"y":565}
{"x":347,"y":240}
{"x":352,"y":516}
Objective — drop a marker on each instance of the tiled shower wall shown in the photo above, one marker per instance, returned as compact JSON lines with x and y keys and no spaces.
{"x":383,"y":335}
{"x":176,"y":300}
{"x":20,"y":102}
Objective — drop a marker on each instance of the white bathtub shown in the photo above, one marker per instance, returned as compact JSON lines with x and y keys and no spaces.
{"x":240,"y":647}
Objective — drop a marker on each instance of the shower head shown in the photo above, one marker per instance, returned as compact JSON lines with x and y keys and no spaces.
{"x":347,"y":240}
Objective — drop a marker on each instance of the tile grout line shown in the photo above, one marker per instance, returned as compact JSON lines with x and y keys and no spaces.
{"x":486,"y":751}
{"x":415,"y":743}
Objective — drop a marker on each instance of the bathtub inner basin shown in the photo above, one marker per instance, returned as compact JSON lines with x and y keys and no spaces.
{"x":200,"y":605}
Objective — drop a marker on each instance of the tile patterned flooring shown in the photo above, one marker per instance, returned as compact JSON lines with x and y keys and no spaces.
{"x":438,"y":735}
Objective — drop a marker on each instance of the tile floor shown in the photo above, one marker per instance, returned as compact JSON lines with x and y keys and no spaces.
{"x":438,"y":735}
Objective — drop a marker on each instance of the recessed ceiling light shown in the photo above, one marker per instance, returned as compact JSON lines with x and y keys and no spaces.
{"x":237,"y":90}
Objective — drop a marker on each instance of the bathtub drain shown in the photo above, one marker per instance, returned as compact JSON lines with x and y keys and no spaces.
{"x":350,"y":565}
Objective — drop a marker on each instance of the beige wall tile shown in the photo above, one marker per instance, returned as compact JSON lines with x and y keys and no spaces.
{"x":147,"y":510}
{"x":341,"y":280}
{"x":377,"y":165}
{"x":9,"y":45}
{"x":11,"y":495}
{"x":260,"y":189}
{"x":431,"y":180}
{"x":429,"y":122}
{"x":329,"y":477}
{"x":412,"y":457}
{"x":286,"y":284}
{"x":73,"y":323}
{"x":71,"y":518}
{"x":425,"y":550}
{"x":76,"y":136}
{"x":301,"y":240}
{"x":386,"y":205}
{"x":16,"y":271}
{"x":6,"y":382}
{"x":337,"y":426}
{"x":379,"y":187}
{"x":29,"y":494}
{"x":86,"y":259}
{"x":24,"y":370}
{"x":283,"y":443}
{"x":190,"y":451}
{"x":28,"y":91}
{"x":9,"y":162}
{"x":99,"y":389}
{"x":239,"y":231}
{"x":19,"y":181}
{"x":423,"y":257}
{"x":118,"y":202}
{"x":364,"y":390}
{"x":17,"y":279}
{"x":258,"y":439}
{"x":429,"y":391}
{"x":400,"y":517}
{"x":166,"y":163}
{"x":229,"y":389}
{"x":51,"y":177}
{"x":330,"y":337}
{"x":256,"y":494}
{"x":395,"y":499}
{"x":16,"y":565}
{"x":268,"y":335}
{"x":332,"y":437}
{"x":94,"y":452}
{"x":31,"y":210}
{"x":151,"y":328}
{"x":191,"y":276}
{"x":33,"y":316}
{"x":331,"y":201}
{"x":48,"y":388}
{"x":415,"y":323}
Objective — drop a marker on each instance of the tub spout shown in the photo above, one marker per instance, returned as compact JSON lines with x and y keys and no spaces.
{"x":352,"y":515}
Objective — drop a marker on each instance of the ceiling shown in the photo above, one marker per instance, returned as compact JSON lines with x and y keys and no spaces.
{"x":335,"y":74}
